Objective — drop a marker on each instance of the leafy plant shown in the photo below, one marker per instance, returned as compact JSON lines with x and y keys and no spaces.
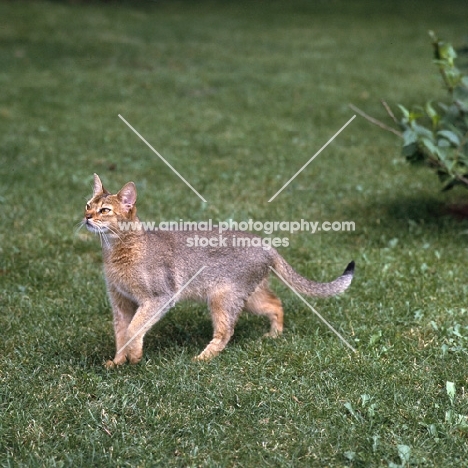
{"x":436,"y":135}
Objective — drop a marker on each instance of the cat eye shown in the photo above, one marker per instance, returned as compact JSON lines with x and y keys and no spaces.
{"x":104,"y":210}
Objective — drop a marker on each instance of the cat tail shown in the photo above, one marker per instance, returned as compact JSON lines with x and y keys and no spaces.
{"x":312,"y":288}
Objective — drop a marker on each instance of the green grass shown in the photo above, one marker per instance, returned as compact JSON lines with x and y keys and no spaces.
{"x":237,"y":96}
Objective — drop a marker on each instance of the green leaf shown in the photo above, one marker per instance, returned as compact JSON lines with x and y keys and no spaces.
{"x":450,"y":136}
{"x":375,"y":442}
{"x":409,"y":151}
{"x":447,"y":52}
{"x":456,"y":419}
{"x":430,"y":111}
{"x":449,"y":416}
{"x":442,"y":142}
{"x":365,"y":398}
{"x":405,"y":113}
{"x":462,"y":422}
{"x":452,"y":75}
{"x":375,"y":338}
{"x":409,"y":137}
{"x":432,"y":429}
{"x":430,"y":146}
{"x":404,"y":452}
{"x":350,"y":408}
{"x":423,"y":132}
{"x":450,"y":386}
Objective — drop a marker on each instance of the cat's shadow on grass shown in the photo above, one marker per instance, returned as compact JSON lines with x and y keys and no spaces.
{"x":189,"y":326}
{"x":431,"y":211}
{"x":411,"y":215}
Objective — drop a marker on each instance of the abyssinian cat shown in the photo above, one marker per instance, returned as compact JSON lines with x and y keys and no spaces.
{"x":147,"y":272}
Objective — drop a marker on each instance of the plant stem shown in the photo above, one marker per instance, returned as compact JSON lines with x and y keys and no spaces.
{"x":389,"y":111}
{"x":375,"y":121}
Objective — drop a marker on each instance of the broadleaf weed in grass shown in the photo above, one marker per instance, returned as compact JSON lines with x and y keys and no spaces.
{"x":404,"y":452}
{"x":450,"y":387}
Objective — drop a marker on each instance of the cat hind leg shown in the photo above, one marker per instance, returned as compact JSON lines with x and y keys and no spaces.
{"x":264,"y":302}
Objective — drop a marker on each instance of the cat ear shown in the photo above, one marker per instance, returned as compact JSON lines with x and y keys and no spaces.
{"x":127,"y":196}
{"x":98,"y":188}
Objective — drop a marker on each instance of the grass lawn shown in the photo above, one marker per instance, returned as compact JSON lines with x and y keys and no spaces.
{"x":237,"y":96}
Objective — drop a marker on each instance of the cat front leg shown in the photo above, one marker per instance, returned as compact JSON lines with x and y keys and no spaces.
{"x":225,"y":307}
{"x":150,"y":312}
{"x":123,"y":311}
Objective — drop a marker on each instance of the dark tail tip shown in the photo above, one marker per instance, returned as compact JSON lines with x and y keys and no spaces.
{"x":349,"y":269}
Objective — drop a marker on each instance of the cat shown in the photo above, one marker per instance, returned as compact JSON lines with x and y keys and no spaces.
{"x":147,"y":272}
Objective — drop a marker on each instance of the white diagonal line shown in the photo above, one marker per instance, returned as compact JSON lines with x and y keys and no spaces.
{"x":314,"y":311}
{"x":161,"y":308}
{"x":312,"y":158}
{"x":166,"y":162}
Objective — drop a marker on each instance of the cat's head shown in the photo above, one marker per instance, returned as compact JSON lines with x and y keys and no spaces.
{"x":104,"y":211}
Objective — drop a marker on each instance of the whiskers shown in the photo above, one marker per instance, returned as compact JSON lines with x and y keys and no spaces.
{"x":78,"y":226}
{"x":101,"y":230}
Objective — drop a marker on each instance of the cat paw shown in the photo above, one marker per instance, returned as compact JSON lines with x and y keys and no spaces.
{"x":205,"y":356}
{"x":117,"y":361}
{"x":135,"y":359}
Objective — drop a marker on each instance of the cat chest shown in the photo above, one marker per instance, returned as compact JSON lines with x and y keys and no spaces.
{"x":138,"y":281}
{"x":127,"y":282}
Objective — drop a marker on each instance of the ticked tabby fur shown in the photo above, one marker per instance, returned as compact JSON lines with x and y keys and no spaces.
{"x":147,"y":272}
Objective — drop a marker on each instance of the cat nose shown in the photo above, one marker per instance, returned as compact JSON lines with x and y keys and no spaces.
{"x":88,"y":215}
